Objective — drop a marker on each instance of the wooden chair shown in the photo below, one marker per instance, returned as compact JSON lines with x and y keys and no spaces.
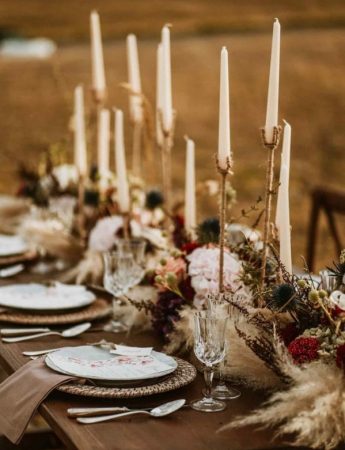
{"x":331,"y":202}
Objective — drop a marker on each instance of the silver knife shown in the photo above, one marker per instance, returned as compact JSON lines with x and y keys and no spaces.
{"x":21,"y":331}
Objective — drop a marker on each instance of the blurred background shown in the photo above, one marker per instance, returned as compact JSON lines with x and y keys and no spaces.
{"x":37,"y":93}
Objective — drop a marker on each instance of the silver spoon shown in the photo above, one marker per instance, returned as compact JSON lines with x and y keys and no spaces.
{"x":69,"y":333}
{"x":159,"y":411}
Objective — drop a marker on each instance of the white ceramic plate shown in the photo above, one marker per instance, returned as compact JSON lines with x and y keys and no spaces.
{"x":12,"y":245}
{"x":45,"y":298}
{"x":96,"y":363}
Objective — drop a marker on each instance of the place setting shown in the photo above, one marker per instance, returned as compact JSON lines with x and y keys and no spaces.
{"x":15,"y":255}
{"x":52,"y":304}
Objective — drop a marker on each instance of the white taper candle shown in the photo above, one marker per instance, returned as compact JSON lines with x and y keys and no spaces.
{"x":284,"y":222}
{"x":273,"y":85}
{"x":224,"y":112}
{"x":98,"y":75}
{"x":285,"y":161}
{"x":135,"y":102}
{"x":120,"y":160}
{"x":190,"y":201}
{"x":167,"y":109}
{"x":159,"y":95}
{"x":80,"y":153}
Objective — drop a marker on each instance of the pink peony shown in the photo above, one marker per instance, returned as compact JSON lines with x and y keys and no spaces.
{"x":204,"y":272}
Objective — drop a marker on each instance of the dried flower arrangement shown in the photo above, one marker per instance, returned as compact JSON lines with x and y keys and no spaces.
{"x":308,"y":356}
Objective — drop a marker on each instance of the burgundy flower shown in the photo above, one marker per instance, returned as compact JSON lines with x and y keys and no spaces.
{"x":188,"y":247}
{"x":289,"y":333}
{"x":304,"y":349}
{"x":340,"y":359}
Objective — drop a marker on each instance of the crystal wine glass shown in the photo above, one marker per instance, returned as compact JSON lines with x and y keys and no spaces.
{"x":219,"y":307}
{"x":120,"y":274}
{"x":136,"y":248}
{"x":209,"y":348}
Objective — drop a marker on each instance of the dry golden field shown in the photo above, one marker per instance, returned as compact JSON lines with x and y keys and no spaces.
{"x":36,"y":96}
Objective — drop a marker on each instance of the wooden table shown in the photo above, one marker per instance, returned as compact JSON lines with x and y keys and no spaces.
{"x":184,"y":430}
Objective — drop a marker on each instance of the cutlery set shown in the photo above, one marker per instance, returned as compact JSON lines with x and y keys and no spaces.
{"x":96,"y":415}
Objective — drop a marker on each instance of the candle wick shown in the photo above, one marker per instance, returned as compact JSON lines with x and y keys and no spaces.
{"x":169,"y":25}
{"x":185,"y":137}
{"x":276,"y":19}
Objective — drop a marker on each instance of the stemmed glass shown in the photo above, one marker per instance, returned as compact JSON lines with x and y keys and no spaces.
{"x":209,"y":348}
{"x":136,"y":248}
{"x":118,"y":279}
{"x":123,"y":269}
{"x":219,"y":307}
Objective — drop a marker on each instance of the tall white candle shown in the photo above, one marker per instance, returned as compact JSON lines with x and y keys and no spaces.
{"x":224,"y":112}
{"x":159,"y":95}
{"x":273,"y":85}
{"x":167,"y":109}
{"x":285,"y":161}
{"x":190,"y":203}
{"x":98,"y":76}
{"x":103,"y":144}
{"x":80,"y":156}
{"x":284,"y":222}
{"x":135,"y":102}
{"x":120,"y":160}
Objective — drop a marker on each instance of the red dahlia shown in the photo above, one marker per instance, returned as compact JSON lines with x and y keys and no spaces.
{"x":304,"y":349}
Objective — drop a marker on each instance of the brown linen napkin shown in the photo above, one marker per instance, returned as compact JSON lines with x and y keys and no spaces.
{"x":22,"y":393}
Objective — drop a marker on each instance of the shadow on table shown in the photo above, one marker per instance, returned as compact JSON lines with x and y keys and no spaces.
{"x":42,"y":440}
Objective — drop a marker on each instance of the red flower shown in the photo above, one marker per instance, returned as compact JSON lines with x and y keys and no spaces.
{"x":340,"y":359}
{"x":188,"y":247}
{"x":304,"y":349}
{"x":289,"y":333}
{"x":336,"y":312}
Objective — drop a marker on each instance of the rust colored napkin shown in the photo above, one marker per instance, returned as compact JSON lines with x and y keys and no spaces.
{"x":22,"y":393}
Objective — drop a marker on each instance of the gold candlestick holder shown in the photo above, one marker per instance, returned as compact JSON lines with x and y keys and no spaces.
{"x":99,"y":97}
{"x":166,"y":146}
{"x":81,"y":225}
{"x":136,"y":148}
{"x":222,"y":218}
{"x":126,"y":224}
{"x":271,"y":147}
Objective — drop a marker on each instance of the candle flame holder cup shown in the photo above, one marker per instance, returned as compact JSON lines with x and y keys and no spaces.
{"x":271,"y":147}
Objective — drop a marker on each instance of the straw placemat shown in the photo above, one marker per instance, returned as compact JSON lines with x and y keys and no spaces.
{"x":183,"y":375}
{"x":97,"y":310}
{"x":23,"y":258}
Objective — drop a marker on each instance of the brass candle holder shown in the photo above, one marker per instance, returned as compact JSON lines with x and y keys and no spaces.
{"x":126,"y":224}
{"x":136,"y":148}
{"x":222,"y":218}
{"x":271,"y":147}
{"x":166,"y":146}
{"x":81,"y":225}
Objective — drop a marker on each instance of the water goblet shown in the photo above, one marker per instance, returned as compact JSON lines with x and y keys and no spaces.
{"x":119,"y":275}
{"x":219,"y":307}
{"x":136,"y":248}
{"x":209,"y":348}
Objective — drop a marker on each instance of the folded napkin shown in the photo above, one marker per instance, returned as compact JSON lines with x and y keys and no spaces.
{"x":22,"y":393}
